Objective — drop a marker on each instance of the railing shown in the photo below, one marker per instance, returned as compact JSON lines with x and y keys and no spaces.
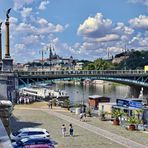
{"x":82,"y":72}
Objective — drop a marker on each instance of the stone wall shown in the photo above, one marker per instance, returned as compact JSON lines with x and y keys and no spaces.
{"x":5,"y":113}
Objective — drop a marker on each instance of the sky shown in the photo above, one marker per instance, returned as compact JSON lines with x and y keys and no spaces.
{"x":84,"y":29}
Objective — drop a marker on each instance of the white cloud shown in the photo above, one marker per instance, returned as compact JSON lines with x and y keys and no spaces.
{"x":43,"y":21}
{"x":13,"y":20}
{"x":139,"y":41}
{"x":43,"y":5}
{"x":25,"y":28}
{"x":108,"y":37}
{"x":32,"y":39}
{"x":55,"y":40}
{"x":26,"y":12}
{"x":50,"y":28}
{"x":144,"y":2}
{"x":115,"y":50}
{"x":19,"y":46}
{"x":103,"y":30}
{"x":18,"y":4}
{"x":140,"y":22}
{"x":95,"y":26}
{"x":122,"y":29}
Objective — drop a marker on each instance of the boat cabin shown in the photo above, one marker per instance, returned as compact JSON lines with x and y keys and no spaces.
{"x":94,"y":100}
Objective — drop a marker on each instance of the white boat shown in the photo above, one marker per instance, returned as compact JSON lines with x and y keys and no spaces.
{"x":43,"y":92}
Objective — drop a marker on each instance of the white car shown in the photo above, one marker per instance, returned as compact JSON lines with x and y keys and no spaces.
{"x":29,"y":132}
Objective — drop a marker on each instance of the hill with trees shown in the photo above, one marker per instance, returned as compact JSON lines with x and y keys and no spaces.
{"x":135,"y":60}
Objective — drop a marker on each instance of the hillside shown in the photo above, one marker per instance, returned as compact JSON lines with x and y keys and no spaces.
{"x":135,"y":60}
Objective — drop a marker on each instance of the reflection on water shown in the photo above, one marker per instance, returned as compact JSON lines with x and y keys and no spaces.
{"x":80,"y":93}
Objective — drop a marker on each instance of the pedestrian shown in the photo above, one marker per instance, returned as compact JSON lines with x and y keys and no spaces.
{"x":81,"y":116}
{"x":84,"y":115}
{"x":63,"y":129}
{"x":70,"y":129}
{"x":28,"y":100}
{"x":51,"y":105}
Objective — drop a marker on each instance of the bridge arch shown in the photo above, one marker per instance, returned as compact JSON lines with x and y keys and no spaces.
{"x":128,"y":77}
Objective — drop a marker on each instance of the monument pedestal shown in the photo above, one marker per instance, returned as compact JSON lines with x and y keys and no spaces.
{"x":7,"y":64}
{"x":6,"y":108}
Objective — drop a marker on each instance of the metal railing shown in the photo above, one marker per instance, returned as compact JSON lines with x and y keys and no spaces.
{"x":82,"y":72}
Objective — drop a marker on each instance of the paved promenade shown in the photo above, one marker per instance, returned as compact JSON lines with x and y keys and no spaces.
{"x":86,"y":134}
{"x":113,"y":137}
{"x":82,"y":138}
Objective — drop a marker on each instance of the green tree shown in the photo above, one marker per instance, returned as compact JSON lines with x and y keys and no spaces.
{"x":99,"y":64}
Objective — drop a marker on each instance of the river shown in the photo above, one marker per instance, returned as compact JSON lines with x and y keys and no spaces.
{"x":79,"y":93}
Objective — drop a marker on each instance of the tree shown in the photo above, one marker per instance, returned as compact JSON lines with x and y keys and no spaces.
{"x":99,"y":64}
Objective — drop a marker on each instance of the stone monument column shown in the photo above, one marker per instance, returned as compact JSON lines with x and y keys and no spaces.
{"x":7,"y":61}
{"x":0,"y":46}
{"x":7,"y":54}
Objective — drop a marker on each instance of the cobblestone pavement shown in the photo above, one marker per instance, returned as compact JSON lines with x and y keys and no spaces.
{"x":137,"y":136}
{"x":104,"y":133}
{"x":92,"y":130}
{"x":41,"y":118}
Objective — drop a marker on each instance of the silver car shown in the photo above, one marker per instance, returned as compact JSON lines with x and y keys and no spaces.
{"x":29,"y":132}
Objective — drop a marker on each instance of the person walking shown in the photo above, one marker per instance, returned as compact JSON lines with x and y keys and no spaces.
{"x":70,"y":129}
{"x":63,"y":129}
{"x":81,"y":116}
{"x":84,"y":115}
{"x":51,"y":105}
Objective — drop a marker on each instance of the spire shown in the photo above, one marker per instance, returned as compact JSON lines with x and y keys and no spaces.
{"x":50,"y":53}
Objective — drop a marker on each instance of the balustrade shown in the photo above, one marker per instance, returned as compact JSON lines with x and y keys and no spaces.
{"x":82,"y":72}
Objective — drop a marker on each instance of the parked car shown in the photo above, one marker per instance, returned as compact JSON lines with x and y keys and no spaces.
{"x":33,"y":142}
{"x":28,"y":132}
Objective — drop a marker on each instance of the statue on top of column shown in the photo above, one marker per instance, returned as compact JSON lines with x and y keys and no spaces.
{"x":7,"y":13}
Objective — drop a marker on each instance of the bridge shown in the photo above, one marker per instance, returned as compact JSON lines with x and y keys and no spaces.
{"x":128,"y":77}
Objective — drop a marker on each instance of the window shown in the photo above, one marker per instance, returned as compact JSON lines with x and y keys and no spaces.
{"x":24,"y":133}
{"x":36,"y":133}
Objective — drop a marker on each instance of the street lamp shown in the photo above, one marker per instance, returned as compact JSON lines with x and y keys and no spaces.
{"x":83,"y":106}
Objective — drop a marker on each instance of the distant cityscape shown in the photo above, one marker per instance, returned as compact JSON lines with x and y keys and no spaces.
{"x":125,"y":60}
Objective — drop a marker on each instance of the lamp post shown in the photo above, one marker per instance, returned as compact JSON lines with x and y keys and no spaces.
{"x":83,"y":107}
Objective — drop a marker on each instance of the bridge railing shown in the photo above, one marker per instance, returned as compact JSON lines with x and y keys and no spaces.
{"x":82,"y":72}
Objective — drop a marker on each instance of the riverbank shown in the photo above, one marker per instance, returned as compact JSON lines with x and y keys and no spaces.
{"x":37,"y":115}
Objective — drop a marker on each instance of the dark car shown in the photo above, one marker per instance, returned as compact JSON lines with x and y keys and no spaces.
{"x":33,"y":142}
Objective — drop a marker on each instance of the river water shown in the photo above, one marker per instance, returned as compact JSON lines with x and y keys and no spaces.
{"x":79,"y":93}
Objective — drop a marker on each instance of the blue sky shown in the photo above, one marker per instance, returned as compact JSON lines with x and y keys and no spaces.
{"x":84,"y":29}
